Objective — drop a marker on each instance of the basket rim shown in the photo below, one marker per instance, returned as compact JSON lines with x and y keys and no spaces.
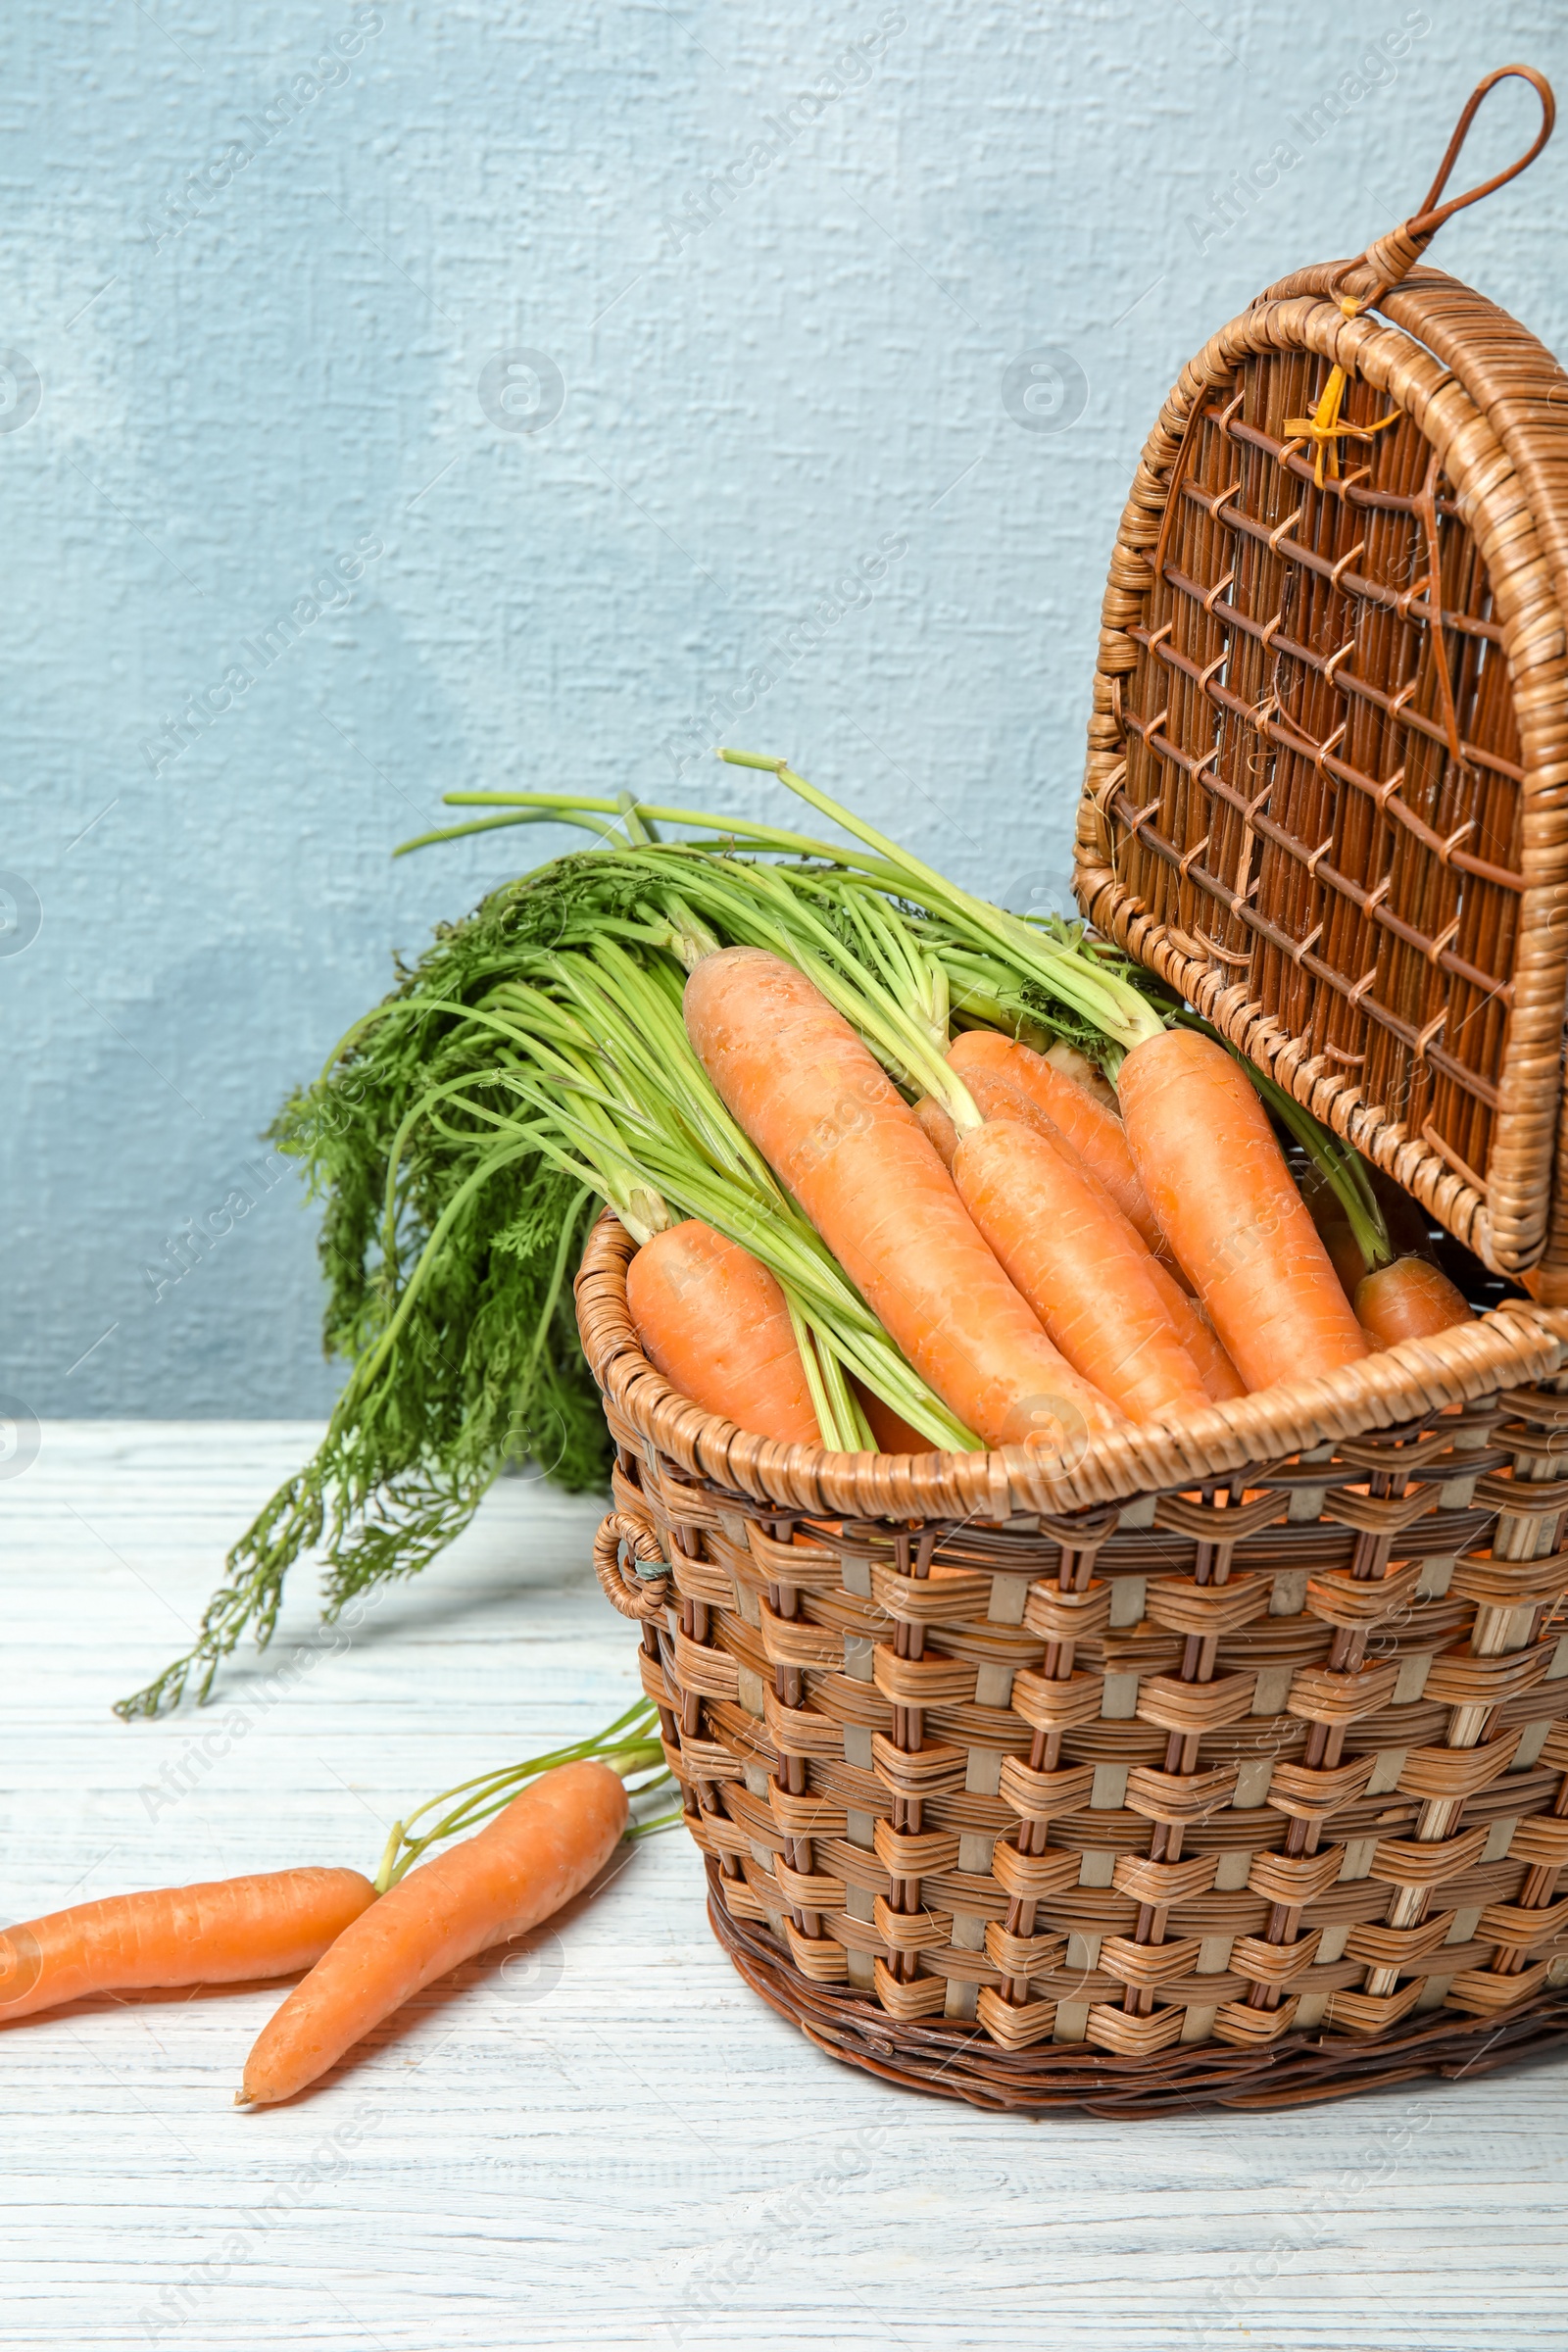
{"x":1498,"y":450}
{"x":1511,"y":1345}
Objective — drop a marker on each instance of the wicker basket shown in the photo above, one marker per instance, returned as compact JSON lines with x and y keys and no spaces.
{"x":1232,"y":1765}
{"x":1324,"y":799}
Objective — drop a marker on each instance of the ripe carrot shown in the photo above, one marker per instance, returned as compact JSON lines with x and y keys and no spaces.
{"x":1194,"y":1331}
{"x":1197,"y":1334}
{"x":937,"y":1129}
{"x":219,"y":1933}
{"x":716,"y":1323}
{"x":1083,"y":1072}
{"x":893,"y":1434}
{"x":1093,"y":1132}
{"x":1081,"y":1266}
{"x":1219,"y":1185}
{"x":1334,"y":1229}
{"x":1411,"y":1299}
{"x":796,"y":1077}
{"x":523,"y":1865}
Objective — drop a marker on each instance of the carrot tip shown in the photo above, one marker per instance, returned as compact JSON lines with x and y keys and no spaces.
{"x":244,"y":2098}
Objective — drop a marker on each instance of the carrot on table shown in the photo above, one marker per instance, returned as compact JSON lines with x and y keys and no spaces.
{"x":1080,"y":1264}
{"x":836,"y":1131}
{"x":1085,"y":1125}
{"x":1226,"y":1202}
{"x":523,"y":1865}
{"x":222,"y":1932}
{"x":1410,"y":1300}
{"x":716,"y":1323}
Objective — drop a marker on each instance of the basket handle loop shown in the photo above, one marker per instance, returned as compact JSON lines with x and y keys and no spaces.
{"x":1432,"y":215}
{"x":1385,"y":264}
{"x":633,"y":1595}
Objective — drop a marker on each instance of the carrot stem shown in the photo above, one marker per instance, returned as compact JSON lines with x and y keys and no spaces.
{"x":547,"y":806}
{"x":1111,"y":1004}
{"x":827,"y":1420}
{"x":492,"y":824}
{"x":630,"y":1746}
{"x":654,"y":1828}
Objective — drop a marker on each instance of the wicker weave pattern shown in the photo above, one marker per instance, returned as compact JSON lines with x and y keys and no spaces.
{"x":1248,"y":1761}
{"x":1324,"y":798}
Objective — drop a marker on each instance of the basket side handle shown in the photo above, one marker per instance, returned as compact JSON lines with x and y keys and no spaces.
{"x":1390,"y":259}
{"x":635,"y":1597}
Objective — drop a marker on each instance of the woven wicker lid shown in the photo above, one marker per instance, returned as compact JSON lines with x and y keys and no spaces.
{"x":1327,"y":788}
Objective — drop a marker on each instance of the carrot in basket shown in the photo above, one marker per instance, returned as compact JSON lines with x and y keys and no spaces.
{"x":937,"y":1129}
{"x":1411,"y":1299}
{"x":1089,"y":1129}
{"x":1083,"y":1072}
{"x":893,"y":1434}
{"x":523,"y":1866}
{"x":222,"y":1932}
{"x":1406,"y":1221}
{"x":1226,"y":1203}
{"x":1396,"y":1286}
{"x":1197,"y":1334}
{"x":1081,"y":1266}
{"x":819,"y":1107}
{"x":1334,"y":1228}
{"x":716,"y":1323}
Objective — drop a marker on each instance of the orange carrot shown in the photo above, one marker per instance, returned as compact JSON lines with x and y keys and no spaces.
{"x":1197,"y":1335}
{"x":220,"y":1932}
{"x":715,"y":1324}
{"x":893,"y":1434}
{"x":1083,"y":1072}
{"x":1411,"y":1299}
{"x":1088,"y":1128}
{"x":796,"y":1077}
{"x":1334,"y":1229}
{"x":519,"y":1868}
{"x":997,"y":1100}
{"x":1219,"y":1185}
{"x":997,"y":1097}
{"x":937,"y":1129}
{"x":1408,"y":1299}
{"x":1080,"y":1265}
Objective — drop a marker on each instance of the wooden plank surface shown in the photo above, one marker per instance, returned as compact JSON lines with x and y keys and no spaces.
{"x":601,"y":2138}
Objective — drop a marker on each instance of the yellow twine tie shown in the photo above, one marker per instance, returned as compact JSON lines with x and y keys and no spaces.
{"x":1324,"y":429}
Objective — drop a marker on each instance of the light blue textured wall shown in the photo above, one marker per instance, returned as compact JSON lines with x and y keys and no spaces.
{"x":259,"y":259}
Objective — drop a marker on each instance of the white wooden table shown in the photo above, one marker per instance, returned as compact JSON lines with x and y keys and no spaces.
{"x":603,"y":2138}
